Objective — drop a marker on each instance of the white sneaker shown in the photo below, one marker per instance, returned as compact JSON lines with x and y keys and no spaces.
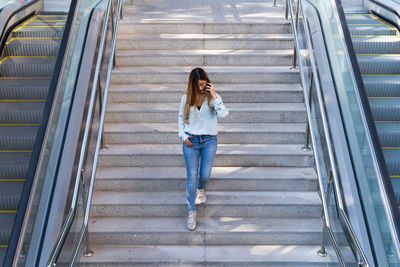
{"x":191,"y":221}
{"x":200,"y":196}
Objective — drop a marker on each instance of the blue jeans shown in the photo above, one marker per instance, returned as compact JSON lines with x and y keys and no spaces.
{"x":204,"y":149}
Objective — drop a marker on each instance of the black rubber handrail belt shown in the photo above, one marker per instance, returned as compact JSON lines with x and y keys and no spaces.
{"x":19,"y":218}
{"x":4,"y":34}
{"x":388,"y":8}
{"x":368,"y":114}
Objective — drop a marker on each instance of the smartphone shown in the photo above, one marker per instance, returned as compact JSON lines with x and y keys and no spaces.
{"x":207,"y":84}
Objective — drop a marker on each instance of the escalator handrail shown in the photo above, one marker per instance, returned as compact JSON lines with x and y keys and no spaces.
{"x":32,"y":178}
{"x":387,"y":193}
{"x":388,"y":8}
{"x":5,"y":31}
{"x":328,"y":139}
{"x":71,"y":213}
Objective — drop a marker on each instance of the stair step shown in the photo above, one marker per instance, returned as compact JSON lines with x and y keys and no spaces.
{"x":229,"y":133}
{"x":360,"y":21}
{"x":17,"y":137}
{"x":379,"y":64}
{"x":385,"y":109}
{"x":204,"y":57}
{"x":389,"y":133}
{"x":171,"y":93}
{"x":21,"y":112}
{"x":392,"y":158}
{"x":209,"y":231}
{"x":228,"y":155}
{"x":48,"y":17}
{"x":371,"y":30}
{"x":204,"y":41}
{"x":24,"y":88}
{"x":144,"y":4}
{"x":238,"y":112}
{"x":222,"y":179}
{"x":54,"y":31}
{"x":382,"y":85}
{"x":218,"y":74}
{"x":27,"y":67}
{"x":10,"y":193}
{"x":14,"y":165}
{"x":271,"y":26}
{"x":48,"y":22}
{"x":33,"y":47}
{"x":219,"y":204}
{"x":206,"y":12}
{"x":376,"y":45}
{"x":273,"y":255}
{"x":6,"y":219}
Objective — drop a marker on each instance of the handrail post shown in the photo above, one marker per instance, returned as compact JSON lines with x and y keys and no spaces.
{"x":294,"y":43}
{"x":122,"y":8}
{"x":85,"y":189}
{"x":88,"y":251}
{"x":112,"y":17}
{"x":100,"y":107}
{"x":307,"y":142}
{"x":287,"y":9}
{"x":322,"y":252}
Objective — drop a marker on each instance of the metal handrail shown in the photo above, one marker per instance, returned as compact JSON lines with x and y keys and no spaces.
{"x":71,"y":214}
{"x":333,"y":172}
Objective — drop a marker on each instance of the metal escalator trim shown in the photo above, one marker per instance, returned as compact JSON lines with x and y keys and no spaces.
{"x":23,"y":24}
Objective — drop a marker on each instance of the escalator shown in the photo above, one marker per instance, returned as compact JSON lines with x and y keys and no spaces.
{"x":26,"y":68}
{"x":377,"y":47}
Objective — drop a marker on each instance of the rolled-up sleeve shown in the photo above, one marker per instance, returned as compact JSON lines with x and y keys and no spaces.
{"x":219,"y":107}
{"x":181,"y":119}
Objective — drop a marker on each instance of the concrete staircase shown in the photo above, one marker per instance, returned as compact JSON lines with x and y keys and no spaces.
{"x":262,"y":207}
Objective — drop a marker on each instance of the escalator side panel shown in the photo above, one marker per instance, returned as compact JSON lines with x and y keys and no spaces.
{"x":25,"y":73}
{"x":377,"y":46}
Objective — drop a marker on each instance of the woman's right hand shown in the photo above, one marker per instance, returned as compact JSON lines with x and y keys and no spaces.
{"x":187,"y":142}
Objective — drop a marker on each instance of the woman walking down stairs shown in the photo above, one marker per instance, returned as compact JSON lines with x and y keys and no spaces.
{"x":262,"y":203}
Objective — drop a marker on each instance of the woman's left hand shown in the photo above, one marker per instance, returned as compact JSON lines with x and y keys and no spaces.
{"x":211,"y":89}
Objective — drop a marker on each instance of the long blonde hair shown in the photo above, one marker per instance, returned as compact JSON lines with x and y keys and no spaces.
{"x":192,"y":91}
